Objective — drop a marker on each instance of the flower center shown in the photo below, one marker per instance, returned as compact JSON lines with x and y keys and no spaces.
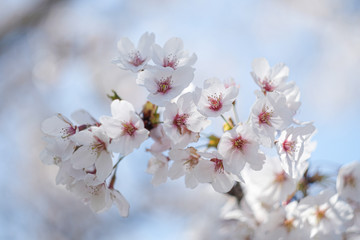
{"x":320,"y":214}
{"x":128,"y":128}
{"x":164,"y":85}
{"x":66,"y":132}
{"x":215,"y":102}
{"x":180,"y":122}
{"x":288,"y":224}
{"x":193,"y":159}
{"x":349,"y":180}
{"x":266,"y":86}
{"x":135,"y":58}
{"x":98,"y":145}
{"x":280,"y":177}
{"x":239,"y":143}
{"x":289,"y":146}
{"x":265,"y":116}
{"x":219,"y":167}
{"x":171,"y":61}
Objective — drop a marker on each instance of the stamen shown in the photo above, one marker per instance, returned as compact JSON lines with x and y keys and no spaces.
{"x":289,"y":146}
{"x":215,"y":102}
{"x":171,"y":61}
{"x":164,"y":85}
{"x":265,"y":116}
{"x":219,"y":167}
{"x":128,"y":128}
{"x":135,"y":58}
{"x":180,"y":122}
{"x":239,"y":143}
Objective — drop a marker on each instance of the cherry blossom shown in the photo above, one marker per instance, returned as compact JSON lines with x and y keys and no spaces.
{"x":326,"y":213}
{"x":212,"y":171}
{"x":271,"y":184}
{"x":172,"y":54}
{"x":93,"y":149}
{"x":164,"y":84}
{"x":284,"y":223}
{"x":348,"y":182}
{"x":274,"y":80}
{"x":185,"y":163}
{"x":125,"y":128}
{"x":294,"y":147}
{"x":182,"y":121}
{"x":269,"y":114}
{"x":58,"y":126}
{"x":215,"y":99}
{"x":132,"y":58}
{"x":100,"y":198}
{"x":240,"y":146}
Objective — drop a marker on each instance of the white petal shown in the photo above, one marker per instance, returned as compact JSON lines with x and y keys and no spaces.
{"x":121,"y":203}
{"x":103,"y":165}
{"x":205,"y":171}
{"x":260,"y":67}
{"x":223,"y":183}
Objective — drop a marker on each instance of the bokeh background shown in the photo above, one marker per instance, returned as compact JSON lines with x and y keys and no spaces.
{"x":55,"y":56}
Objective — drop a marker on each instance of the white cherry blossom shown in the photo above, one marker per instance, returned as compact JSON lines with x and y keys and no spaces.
{"x":182,"y":121}
{"x":93,"y":149}
{"x":294,"y":147}
{"x":348,"y":182}
{"x":172,"y":54}
{"x":185,"y":163}
{"x":271,"y":184}
{"x":284,"y":223}
{"x":165,"y":84}
{"x":269,"y":114}
{"x":58,"y":126}
{"x":100,"y":198}
{"x":125,"y":127}
{"x":326,"y":213}
{"x":240,"y":146}
{"x":134,"y":58}
{"x":212,"y":171}
{"x":273,"y":79}
{"x":215,"y":98}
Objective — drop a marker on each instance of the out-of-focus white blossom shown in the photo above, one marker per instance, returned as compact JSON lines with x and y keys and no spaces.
{"x":134,"y":58}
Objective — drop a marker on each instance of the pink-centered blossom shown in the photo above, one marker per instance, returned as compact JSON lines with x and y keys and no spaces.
{"x":165,"y":84}
{"x":172,"y":55}
{"x":215,"y":98}
{"x":134,"y":58}
{"x":124,"y":127}
{"x":182,"y":121}
{"x":273,"y":79}
{"x":269,"y":114}
{"x":93,"y":150}
{"x":294,"y":147}
{"x":240,"y":146}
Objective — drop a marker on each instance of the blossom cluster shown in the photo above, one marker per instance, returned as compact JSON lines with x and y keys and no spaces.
{"x":266,"y":156}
